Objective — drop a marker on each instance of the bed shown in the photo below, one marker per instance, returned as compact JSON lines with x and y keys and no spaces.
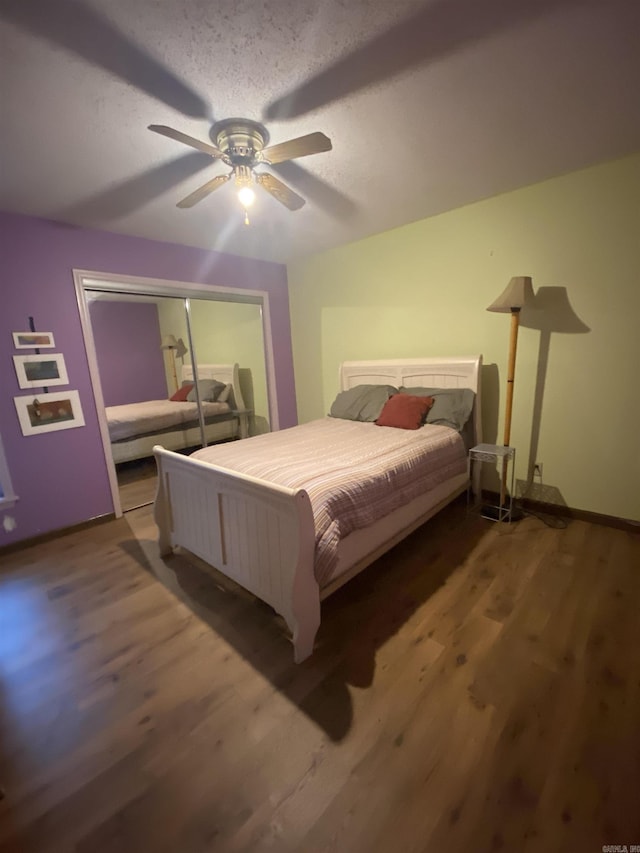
{"x":135,"y":428}
{"x":262,"y":529}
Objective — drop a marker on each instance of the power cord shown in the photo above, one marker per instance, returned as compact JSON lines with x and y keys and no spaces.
{"x":547,"y":518}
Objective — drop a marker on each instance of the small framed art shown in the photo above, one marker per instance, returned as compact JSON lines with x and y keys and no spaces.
{"x":33,"y":340}
{"x":40,"y":370}
{"x":49,"y":412}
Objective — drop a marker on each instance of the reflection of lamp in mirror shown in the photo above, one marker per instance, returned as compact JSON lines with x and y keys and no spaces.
{"x":170,"y":343}
{"x":181,"y":349}
{"x":517,"y":294}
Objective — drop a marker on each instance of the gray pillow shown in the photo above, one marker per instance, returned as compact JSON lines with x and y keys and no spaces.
{"x":208,"y":388}
{"x":362,"y":402}
{"x":452,"y":406}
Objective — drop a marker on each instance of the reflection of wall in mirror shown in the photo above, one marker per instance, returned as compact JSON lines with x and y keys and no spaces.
{"x":127,"y":340}
{"x":227,"y":332}
{"x":171,"y":316}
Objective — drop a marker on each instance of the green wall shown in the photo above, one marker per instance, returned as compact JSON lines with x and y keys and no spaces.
{"x":422,"y":290}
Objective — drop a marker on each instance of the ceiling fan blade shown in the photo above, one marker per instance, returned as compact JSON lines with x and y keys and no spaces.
{"x":302,"y":146}
{"x":85,"y":32}
{"x":280,"y":191}
{"x":203,"y":191}
{"x":163,"y":130}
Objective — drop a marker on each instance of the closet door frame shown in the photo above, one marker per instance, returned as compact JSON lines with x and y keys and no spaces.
{"x":86,"y":281}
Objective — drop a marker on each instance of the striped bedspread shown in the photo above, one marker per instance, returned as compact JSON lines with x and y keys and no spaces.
{"x":354,"y":473}
{"x":152,"y":416}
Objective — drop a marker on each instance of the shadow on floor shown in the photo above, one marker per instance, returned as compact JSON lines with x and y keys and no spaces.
{"x":356,"y":620}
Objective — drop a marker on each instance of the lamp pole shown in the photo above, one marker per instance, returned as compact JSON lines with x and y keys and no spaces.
{"x":172,"y":354}
{"x":511,"y":376}
{"x":170,"y":343}
{"x":518,"y":292}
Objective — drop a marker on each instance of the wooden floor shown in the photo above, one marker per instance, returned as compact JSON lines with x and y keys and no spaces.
{"x":477,"y":689}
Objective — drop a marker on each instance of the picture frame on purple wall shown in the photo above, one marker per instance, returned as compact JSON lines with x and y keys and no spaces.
{"x":38,"y":371}
{"x":33,"y":340}
{"x":49,"y":412}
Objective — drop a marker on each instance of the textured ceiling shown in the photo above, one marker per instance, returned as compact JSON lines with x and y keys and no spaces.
{"x":430,"y":106}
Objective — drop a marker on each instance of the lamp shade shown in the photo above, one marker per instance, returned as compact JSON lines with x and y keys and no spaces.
{"x":169,"y":342}
{"x":515,"y":296}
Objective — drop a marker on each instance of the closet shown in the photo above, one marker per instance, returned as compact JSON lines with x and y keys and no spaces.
{"x":141,"y":335}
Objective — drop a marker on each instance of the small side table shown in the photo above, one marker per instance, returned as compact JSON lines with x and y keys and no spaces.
{"x":243,"y":421}
{"x":495,"y":453}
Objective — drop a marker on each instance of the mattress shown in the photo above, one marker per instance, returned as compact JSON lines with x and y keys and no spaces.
{"x":154,"y":416}
{"x":354,"y":473}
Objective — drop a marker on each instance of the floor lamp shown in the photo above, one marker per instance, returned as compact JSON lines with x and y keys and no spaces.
{"x":517,"y":294}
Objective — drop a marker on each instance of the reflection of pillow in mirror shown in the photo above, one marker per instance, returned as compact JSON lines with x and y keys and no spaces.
{"x":223,"y":396}
{"x":404,"y":411}
{"x":362,"y":402}
{"x":451,"y":407}
{"x":208,"y":390}
{"x":181,"y":394}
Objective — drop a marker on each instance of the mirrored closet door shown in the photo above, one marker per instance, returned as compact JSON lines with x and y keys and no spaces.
{"x":138,"y":376}
{"x":182,"y":372}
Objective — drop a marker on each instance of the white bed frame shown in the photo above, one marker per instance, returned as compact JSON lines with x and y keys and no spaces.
{"x":262,"y":535}
{"x":142,"y":446}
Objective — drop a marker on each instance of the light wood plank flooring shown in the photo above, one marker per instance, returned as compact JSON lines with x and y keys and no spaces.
{"x":477,"y":689}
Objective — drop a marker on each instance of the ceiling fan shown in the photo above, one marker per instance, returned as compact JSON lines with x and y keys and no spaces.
{"x":240,"y":143}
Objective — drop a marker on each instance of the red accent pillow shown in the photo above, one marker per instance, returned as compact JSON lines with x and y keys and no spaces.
{"x":181,"y":394}
{"x":405,"y":411}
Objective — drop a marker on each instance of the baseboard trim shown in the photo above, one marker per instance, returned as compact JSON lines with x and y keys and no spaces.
{"x":582,"y":515}
{"x":56,"y":534}
{"x":570,"y":512}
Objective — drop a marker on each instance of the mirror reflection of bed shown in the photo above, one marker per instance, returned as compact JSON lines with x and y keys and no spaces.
{"x":134,"y":428}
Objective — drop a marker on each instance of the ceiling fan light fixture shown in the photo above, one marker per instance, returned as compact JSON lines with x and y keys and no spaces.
{"x":240,"y":143}
{"x":246,"y":196}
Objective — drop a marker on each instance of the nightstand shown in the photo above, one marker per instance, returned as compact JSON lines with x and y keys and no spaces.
{"x":502,"y":456}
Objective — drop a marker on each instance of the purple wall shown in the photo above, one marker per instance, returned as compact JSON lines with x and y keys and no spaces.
{"x":127,"y":341}
{"x":61,"y":477}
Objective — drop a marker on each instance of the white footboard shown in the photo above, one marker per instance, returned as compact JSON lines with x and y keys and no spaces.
{"x":258,"y":534}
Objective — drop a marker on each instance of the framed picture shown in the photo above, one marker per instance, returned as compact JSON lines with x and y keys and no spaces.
{"x":40,"y":370}
{"x":33,"y":340}
{"x":49,"y":412}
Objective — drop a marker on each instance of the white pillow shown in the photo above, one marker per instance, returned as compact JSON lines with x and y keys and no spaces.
{"x":223,"y":396}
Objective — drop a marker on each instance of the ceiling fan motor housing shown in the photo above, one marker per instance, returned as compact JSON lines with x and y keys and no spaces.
{"x":241,"y":140}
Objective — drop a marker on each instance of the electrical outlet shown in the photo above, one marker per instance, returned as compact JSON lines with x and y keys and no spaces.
{"x":537,"y":470}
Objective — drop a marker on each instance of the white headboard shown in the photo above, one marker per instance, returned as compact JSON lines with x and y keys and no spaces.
{"x":227,"y":373}
{"x":456,"y":372}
